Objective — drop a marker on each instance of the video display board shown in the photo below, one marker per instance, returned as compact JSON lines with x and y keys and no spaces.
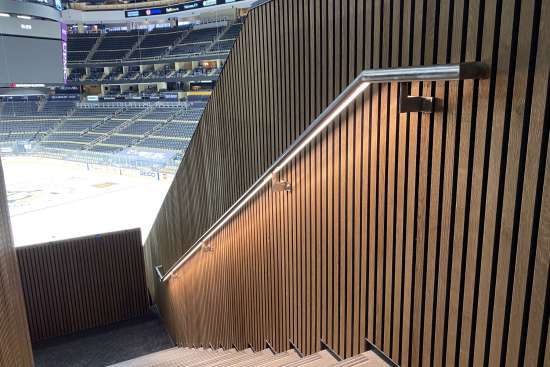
{"x":31,"y":51}
{"x":176,"y":8}
{"x":53,"y":3}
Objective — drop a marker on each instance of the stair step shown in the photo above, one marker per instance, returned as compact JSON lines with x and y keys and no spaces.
{"x":281,"y":359}
{"x":201,"y":357}
{"x":320,"y":359}
{"x":367,"y":359}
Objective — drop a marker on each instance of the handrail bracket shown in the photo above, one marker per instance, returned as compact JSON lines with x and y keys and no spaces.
{"x":408,"y":103}
{"x":278,"y":184}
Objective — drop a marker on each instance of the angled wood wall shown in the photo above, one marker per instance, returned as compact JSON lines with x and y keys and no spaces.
{"x":82,"y":283}
{"x":15,"y":345}
{"x":427,"y":234}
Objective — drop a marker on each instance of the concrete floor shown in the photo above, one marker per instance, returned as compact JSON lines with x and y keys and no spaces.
{"x":104,"y":346}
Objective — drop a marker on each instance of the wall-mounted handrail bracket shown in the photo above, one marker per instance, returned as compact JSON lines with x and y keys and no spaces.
{"x":278,"y":184}
{"x":325,"y":346}
{"x":207,"y":247}
{"x":408,"y":103}
{"x":369,"y":346}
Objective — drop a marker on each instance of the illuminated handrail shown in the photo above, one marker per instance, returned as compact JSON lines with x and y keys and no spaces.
{"x":474,"y":70}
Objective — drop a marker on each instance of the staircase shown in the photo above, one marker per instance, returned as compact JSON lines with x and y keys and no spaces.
{"x":94,"y":49}
{"x":175,"y":43}
{"x":218,"y":37}
{"x":199,"y":357}
{"x":41,"y":105}
{"x":136,"y":45}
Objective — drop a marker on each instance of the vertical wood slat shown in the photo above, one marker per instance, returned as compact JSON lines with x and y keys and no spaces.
{"x":401,"y":227}
{"x":15,"y":344}
{"x":83,"y":283}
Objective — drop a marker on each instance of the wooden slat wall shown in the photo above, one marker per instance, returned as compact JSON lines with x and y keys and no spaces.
{"x":82,"y":283}
{"x":427,"y":234}
{"x":15,"y":344}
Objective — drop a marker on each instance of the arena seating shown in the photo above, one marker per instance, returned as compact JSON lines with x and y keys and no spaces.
{"x":119,"y":41}
{"x":167,"y":144}
{"x":77,"y":125}
{"x":103,"y":128}
{"x":161,"y":37}
{"x":106,"y":126}
{"x":193,"y":48}
{"x":147,"y":53}
{"x":115,"y":46}
{"x":177,"y":129}
{"x":27,"y":126}
{"x":67,"y":137}
{"x":188,"y":116}
{"x":64,"y":145}
{"x":203,"y":35}
{"x":110,"y":55}
{"x":224,"y":45}
{"x":139,"y":127}
{"x":79,"y":46}
{"x":34,"y":109}
{"x":120,"y":140}
{"x":232,"y":32}
{"x":55,"y":108}
{"x":105,"y":149}
{"x":82,"y":42}
{"x":79,"y":56}
{"x":76,"y":74}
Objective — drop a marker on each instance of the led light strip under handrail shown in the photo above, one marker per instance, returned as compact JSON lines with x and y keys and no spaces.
{"x":474,"y":70}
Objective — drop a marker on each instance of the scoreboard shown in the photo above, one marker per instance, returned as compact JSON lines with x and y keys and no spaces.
{"x":32,"y":51}
{"x":191,"y":5}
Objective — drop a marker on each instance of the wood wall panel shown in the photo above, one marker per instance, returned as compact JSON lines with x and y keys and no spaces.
{"x":425,"y":233}
{"x":82,"y":283}
{"x":15,"y":344}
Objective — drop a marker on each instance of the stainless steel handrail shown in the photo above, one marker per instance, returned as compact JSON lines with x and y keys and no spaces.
{"x":447,"y":72}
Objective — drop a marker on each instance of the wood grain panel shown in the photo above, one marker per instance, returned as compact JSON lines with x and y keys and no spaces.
{"x":15,"y":343}
{"x":82,"y":283}
{"x":426,"y":234}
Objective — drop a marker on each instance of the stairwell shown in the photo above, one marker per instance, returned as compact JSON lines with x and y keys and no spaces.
{"x":195,"y":357}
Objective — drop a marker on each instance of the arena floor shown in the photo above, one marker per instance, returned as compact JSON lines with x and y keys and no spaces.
{"x":51,"y":199}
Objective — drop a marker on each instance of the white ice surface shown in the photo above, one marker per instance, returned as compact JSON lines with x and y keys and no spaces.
{"x":52,"y":199}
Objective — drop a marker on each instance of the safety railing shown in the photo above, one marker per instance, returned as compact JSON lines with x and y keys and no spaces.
{"x":448,"y":72}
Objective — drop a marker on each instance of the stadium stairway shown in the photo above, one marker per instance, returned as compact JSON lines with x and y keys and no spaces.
{"x":219,"y":37}
{"x":199,"y":357}
{"x":95,"y":47}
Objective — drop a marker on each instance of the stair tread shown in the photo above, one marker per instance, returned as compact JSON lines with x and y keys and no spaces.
{"x":208,"y":357}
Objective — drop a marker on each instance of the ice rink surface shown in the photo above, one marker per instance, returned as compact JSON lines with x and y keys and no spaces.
{"x":52,"y":199}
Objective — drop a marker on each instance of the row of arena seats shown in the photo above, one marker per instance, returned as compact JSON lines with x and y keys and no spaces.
{"x":134,"y":73}
{"x":108,"y":129}
{"x":136,"y":45}
{"x":17,"y":109}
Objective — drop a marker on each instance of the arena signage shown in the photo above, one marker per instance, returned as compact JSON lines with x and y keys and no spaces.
{"x":177,"y":8}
